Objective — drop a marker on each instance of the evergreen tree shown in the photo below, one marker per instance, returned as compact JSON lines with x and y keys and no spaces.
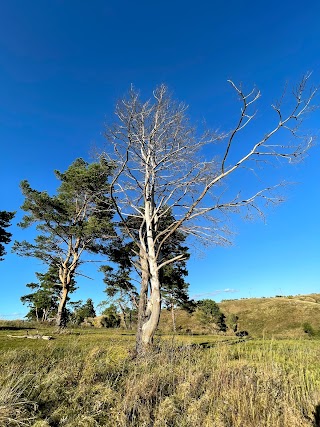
{"x":74,"y":221}
{"x":120,"y":291}
{"x":44,"y":301}
{"x":210,"y":314}
{"x":5,"y":236}
{"x":112,"y":316}
{"x":175,"y":288}
{"x":85,"y":310}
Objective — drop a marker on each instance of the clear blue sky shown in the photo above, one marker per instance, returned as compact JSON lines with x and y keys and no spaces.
{"x":63,"y":64}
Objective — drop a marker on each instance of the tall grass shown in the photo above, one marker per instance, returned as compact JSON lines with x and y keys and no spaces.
{"x":81,"y":383}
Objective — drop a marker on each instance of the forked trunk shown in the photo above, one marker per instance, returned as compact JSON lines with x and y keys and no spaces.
{"x":66,"y":272}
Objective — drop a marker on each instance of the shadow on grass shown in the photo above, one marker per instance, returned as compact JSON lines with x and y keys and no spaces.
{"x":317,"y":415}
{"x":215,"y":344}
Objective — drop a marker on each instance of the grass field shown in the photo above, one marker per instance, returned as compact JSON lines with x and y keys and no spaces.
{"x":86,"y":378}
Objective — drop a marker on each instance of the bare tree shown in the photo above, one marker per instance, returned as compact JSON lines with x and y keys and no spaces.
{"x":163,"y":165}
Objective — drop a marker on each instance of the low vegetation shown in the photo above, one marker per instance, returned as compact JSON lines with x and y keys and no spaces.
{"x":87,"y":377}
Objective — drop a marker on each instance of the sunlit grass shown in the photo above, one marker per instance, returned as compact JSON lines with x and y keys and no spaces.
{"x":88,"y":378}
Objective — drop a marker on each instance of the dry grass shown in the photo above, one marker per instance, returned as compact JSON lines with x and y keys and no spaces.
{"x":261,"y":317}
{"x":277,"y":317}
{"x":89,"y":380}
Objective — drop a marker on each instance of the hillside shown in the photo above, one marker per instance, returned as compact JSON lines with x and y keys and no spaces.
{"x":277,"y":316}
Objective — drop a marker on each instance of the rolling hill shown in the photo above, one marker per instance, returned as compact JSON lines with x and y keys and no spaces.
{"x":278,"y":316}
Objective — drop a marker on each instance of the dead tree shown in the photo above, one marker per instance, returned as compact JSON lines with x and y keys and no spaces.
{"x":162,"y":165}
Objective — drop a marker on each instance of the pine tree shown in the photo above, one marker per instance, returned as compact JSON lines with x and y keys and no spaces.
{"x":74,"y":221}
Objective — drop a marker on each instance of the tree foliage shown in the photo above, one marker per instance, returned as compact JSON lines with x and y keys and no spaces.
{"x":5,"y":236}
{"x":210,"y":314}
{"x":83,"y":311}
{"x":112,"y":316}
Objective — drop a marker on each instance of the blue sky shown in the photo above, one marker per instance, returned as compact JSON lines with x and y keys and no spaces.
{"x":63,"y":65}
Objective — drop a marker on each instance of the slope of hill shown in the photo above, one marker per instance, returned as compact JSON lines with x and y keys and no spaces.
{"x":277,"y":316}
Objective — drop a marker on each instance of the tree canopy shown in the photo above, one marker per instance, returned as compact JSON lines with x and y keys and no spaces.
{"x":5,"y":236}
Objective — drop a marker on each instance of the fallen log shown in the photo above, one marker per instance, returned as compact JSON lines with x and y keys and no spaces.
{"x":32,"y":337}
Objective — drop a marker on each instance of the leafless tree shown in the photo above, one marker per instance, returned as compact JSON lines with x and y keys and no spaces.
{"x":163,"y":165}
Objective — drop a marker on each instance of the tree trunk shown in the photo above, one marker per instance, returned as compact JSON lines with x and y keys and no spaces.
{"x":173,"y":316}
{"x":150,"y":320}
{"x":143,"y":300}
{"x":66,"y":272}
{"x":123,"y":316}
{"x":61,"y":321}
{"x":154,"y":305}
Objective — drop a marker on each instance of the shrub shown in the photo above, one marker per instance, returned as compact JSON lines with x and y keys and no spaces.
{"x":308,"y":329}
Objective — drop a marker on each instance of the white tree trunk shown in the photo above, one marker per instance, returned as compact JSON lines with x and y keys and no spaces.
{"x":143,"y":301}
{"x":150,"y":326}
{"x":154,"y":303}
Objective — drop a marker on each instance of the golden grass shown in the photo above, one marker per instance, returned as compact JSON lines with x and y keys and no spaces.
{"x":277,"y":317}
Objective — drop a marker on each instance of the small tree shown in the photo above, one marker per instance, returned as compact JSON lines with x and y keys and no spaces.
{"x":174,"y":290}
{"x":83,"y":311}
{"x":210,"y":315}
{"x":5,"y":236}
{"x":74,"y":221}
{"x":232,"y":322}
{"x":164,"y":165}
{"x":40,"y":303}
{"x":120,"y":291}
{"x":112,"y":316}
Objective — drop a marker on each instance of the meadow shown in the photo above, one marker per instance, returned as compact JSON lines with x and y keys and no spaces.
{"x":88,"y":378}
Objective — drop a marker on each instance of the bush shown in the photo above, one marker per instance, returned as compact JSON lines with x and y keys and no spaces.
{"x":308,"y":329}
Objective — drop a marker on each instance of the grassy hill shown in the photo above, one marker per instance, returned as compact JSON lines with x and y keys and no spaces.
{"x":277,"y":316}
